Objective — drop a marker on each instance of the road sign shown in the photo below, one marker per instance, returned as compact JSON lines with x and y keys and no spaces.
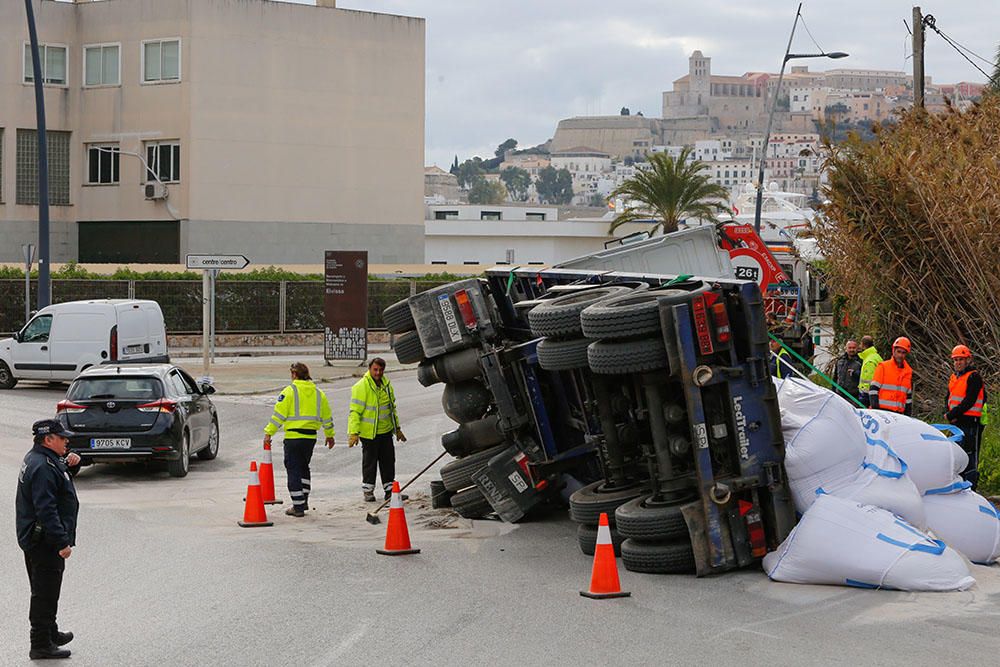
{"x":228,"y":262}
{"x":345,"y":304}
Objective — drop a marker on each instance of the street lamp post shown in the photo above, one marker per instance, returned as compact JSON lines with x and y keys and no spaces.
{"x":774,"y":105}
{"x":44,"y":284}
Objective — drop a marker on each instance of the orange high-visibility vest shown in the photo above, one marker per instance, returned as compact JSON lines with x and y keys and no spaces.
{"x":958,"y":387}
{"x":893,"y":385}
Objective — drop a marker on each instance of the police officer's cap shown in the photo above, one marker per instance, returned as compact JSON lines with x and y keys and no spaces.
{"x":45,"y":427}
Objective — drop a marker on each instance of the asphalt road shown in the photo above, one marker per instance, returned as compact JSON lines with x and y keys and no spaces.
{"x":163,"y":576}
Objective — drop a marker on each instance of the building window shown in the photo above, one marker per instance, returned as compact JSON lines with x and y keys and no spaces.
{"x":1,"y":165}
{"x":538,"y":217}
{"x":101,"y":65}
{"x":470,"y":262}
{"x":26,"y":180}
{"x":163,"y":159}
{"x":53,"y":58}
{"x":489,"y":215}
{"x":438,"y":261}
{"x":446,"y":215}
{"x":102,"y":164}
{"x":161,"y":60}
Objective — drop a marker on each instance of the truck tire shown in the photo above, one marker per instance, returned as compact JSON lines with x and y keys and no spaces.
{"x":563,"y":355}
{"x":627,"y":357}
{"x":398,"y":318}
{"x":560,"y":317}
{"x":440,"y":496}
{"x":631,"y":315}
{"x":644,"y":522}
{"x":466,"y":401}
{"x":408,"y":348}
{"x":457,"y":475}
{"x":7,"y":379}
{"x":586,"y":537}
{"x":587,"y":504}
{"x":658,"y":557}
{"x":471,"y":503}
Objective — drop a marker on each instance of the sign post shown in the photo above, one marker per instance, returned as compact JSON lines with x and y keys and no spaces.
{"x":345,"y":305}
{"x":210,"y":266}
{"x":29,"y":255}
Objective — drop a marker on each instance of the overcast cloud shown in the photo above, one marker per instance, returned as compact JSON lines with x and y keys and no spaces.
{"x":514,"y":68}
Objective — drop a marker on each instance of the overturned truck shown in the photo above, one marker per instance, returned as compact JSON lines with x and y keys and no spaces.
{"x":617,"y":387}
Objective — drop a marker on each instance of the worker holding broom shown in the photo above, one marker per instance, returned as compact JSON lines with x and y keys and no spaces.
{"x":373,"y":421}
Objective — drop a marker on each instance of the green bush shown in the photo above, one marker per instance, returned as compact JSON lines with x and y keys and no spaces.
{"x":989,"y":461}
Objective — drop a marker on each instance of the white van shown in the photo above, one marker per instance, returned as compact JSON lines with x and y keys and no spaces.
{"x":65,"y":338}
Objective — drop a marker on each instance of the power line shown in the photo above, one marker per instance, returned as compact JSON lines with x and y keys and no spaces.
{"x":809,"y":32}
{"x":931,"y":23}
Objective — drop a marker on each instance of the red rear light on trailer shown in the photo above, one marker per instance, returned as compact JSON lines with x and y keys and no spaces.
{"x":69,"y":407}
{"x":755,"y":528}
{"x":701,"y":325}
{"x":113,"y":344}
{"x":723,"y":332}
{"x":465,"y":308}
{"x":162,"y":405}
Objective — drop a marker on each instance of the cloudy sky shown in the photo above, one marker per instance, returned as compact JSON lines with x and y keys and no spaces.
{"x":514,"y":68}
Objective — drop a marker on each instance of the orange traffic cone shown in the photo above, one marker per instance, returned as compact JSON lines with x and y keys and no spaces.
{"x":267,"y":477}
{"x":604,"y":578}
{"x":253,"y":513}
{"x":397,"y":536}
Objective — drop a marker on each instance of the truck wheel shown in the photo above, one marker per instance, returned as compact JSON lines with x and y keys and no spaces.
{"x":586,"y":536}
{"x":471,"y":503}
{"x":658,"y":557}
{"x":457,"y":475}
{"x":638,"y":520}
{"x":560,"y":317}
{"x":632,"y":314}
{"x":587,"y":504}
{"x":440,"y":496}
{"x":465,"y":401}
{"x":408,"y":348}
{"x":563,"y":355}
{"x":398,"y":318}
{"x":7,"y":379}
{"x":627,"y":357}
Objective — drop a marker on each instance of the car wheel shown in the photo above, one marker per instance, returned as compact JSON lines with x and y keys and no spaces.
{"x":212,"y":449}
{"x":408,"y":348}
{"x":7,"y":379}
{"x":471,"y":503}
{"x":658,"y":557}
{"x":642,"y":520}
{"x":179,"y":467}
{"x":587,"y":504}
{"x":632,"y":314}
{"x":586,"y":537}
{"x":627,"y":357}
{"x":398,"y":318}
{"x":457,"y":475}
{"x":560,"y":317}
{"x":563,"y":355}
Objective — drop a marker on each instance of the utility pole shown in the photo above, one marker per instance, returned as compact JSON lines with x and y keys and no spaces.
{"x":918,"y":58}
{"x":44,"y":285}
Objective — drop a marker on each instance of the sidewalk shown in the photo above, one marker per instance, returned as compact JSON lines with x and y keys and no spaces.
{"x":248,"y":372}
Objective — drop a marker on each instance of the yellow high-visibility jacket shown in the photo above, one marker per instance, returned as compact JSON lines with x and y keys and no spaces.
{"x":302,"y":408}
{"x":373,"y":408}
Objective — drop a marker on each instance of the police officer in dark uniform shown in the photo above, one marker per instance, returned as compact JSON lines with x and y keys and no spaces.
{"x":47,"y":508}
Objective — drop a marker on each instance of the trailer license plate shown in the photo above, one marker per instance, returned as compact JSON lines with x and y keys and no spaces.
{"x":111,"y":443}
{"x":450,"y":321}
{"x":133,"y":349}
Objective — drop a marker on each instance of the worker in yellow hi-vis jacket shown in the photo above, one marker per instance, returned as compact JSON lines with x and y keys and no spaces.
{"x":302,"y":408}
{"x":373,"y":421}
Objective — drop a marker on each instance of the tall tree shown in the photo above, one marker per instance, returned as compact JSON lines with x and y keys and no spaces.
{"x":668,"y":191}
{"x":454,"y":166}
{"x":468,"y":170}
{"x":994,"y":84}
{"x":554,"y":186}
{"x":483,"y":191}
{"x":517,"y":181}
{"x":508,"y":145}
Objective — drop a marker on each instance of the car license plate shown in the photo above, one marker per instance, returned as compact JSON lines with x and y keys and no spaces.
{"x":111,"y":443}
{"x":133,"y":349}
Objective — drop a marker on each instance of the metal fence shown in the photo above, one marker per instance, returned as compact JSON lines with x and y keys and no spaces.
{"x":241,"y":306}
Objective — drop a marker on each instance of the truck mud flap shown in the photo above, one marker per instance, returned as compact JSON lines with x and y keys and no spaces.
{"x":694,"y":516}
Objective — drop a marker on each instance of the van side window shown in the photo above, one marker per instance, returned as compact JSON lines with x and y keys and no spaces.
{"x":37,"y":330}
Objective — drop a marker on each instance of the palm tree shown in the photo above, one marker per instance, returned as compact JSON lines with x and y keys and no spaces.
{"x":669,"y":191}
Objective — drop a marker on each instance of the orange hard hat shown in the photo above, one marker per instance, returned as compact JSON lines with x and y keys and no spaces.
{"x":961,"y":352}
{"x":902,"y":342}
